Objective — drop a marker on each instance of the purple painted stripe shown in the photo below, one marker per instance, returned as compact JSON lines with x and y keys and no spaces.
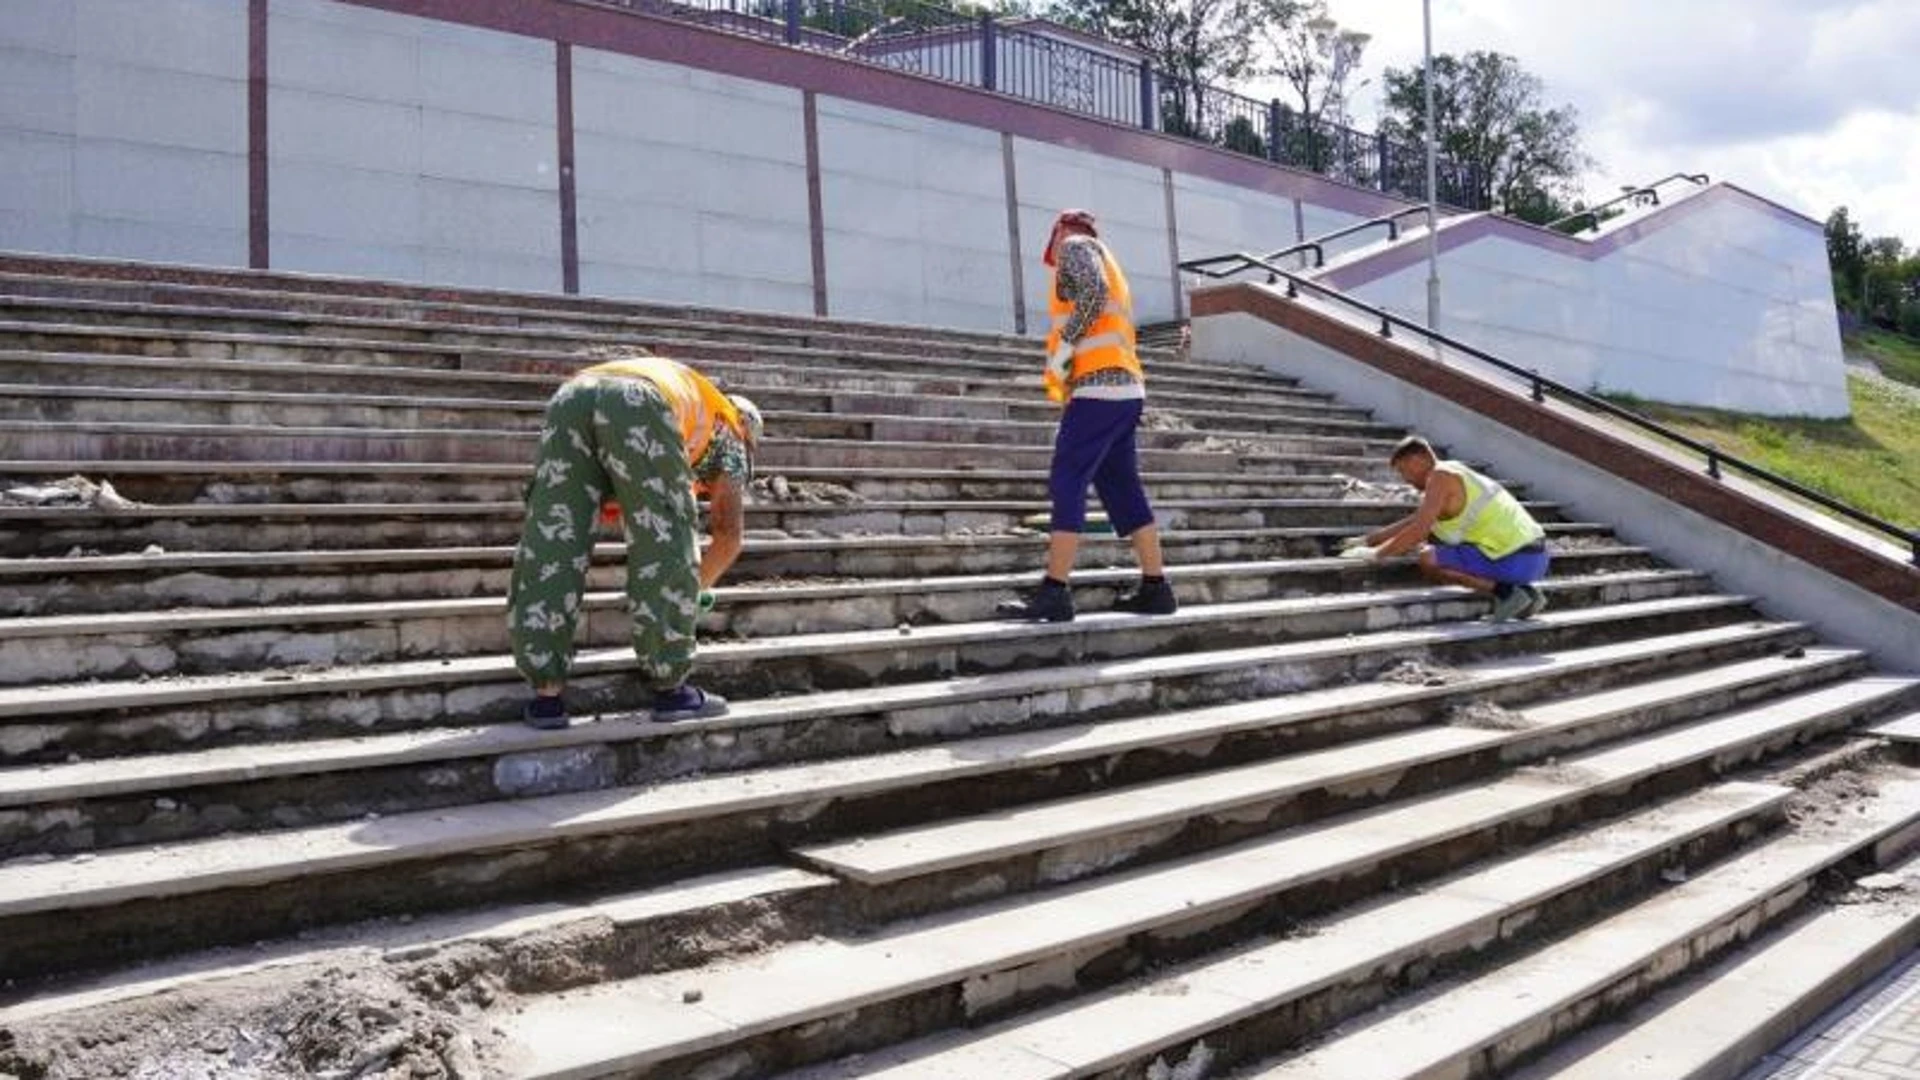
{"x":1461,"y":233}
{"x":816,"y":203}
{"x":671,"y":41}
{"x":258,"y":226}
{"x":569,"y":196}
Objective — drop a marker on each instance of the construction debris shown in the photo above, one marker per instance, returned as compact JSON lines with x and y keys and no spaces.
{"x":74,"y":491}
{"x":1354,"y":489}
{"x":779,"y":489}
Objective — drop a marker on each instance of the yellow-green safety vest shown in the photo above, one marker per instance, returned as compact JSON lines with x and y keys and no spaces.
{"x":1492,"y":519}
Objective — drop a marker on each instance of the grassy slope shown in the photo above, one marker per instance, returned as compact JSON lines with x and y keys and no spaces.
{"x":1898,"y":357}
{"x":1871,"y":461}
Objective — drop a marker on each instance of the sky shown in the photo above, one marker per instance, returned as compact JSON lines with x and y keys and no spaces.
{"x":1812,"y":103}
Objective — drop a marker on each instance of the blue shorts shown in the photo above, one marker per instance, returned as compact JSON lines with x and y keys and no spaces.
{"x":1523,"y":567}
{"x":1095,"y":444}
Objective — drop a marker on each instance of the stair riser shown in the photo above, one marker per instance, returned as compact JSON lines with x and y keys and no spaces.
{"x":1054,"y":866}
{"x":733,"y":359}
{"x":450,"y":579}
{"x":53,"y":536}
{"x":606,"y":685}
{"x":380,"y":636}
{"x":74,"y":444}
{"x":36,"y":944}
{"x":412,"y":402}
{"x":65,"y":826}
{"x":507,"y":483}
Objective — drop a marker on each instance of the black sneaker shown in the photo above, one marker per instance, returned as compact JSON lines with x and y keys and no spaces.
{"x":685,"y":702}
{"x":1050,"y":602}
{"x":546,"y":713}
{"x":1148,"y":598}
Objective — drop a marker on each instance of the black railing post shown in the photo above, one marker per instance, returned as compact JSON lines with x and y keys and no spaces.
{"x":1146,"y":94}
{"x":1273,"y":130}
{"x":1713,"y":461}
{"x":989,"y":53}
{"x":1380,"y":161}
{"x":1539,"y":390}
{"x":793,"y":22}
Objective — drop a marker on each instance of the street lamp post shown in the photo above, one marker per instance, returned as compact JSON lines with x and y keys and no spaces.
{"x":1433,"y":180}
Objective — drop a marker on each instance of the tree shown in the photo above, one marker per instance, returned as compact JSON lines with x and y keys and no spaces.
{"x":1523,"y":157}
{"x":1846,"y":259}
{"x":1317,"y":59}
{"x":1196,"y":42}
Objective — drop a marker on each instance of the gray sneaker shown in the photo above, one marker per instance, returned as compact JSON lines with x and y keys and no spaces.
{"x":1511,"y":606}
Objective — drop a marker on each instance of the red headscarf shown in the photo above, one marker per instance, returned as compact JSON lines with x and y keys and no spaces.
{"x":1081,"y":220}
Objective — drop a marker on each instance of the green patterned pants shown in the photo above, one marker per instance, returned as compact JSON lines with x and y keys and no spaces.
{"x":607,"y":433}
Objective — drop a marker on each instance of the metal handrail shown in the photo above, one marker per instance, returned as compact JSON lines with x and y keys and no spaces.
{"x":1644,"y":195}
{"x":1315,"y":245}
{"x":1542,"y":386}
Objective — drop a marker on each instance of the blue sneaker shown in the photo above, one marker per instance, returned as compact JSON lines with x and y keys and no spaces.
{"x":546,"y":713}
{"x":686,"y":702}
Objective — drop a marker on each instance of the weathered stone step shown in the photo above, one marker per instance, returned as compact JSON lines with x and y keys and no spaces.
{"x":1033,"y":845}
{"x":1212,"y":1014}
{"x":201,"y":344}
{"x":149,"y":899}
{"x":236,"y":442}
{"x":667,"y":336}
{"x":81,"y":583}
{"x":808,"y":385}
{"x":47,"y":722}
{"x":27,"y":532}
{"x":1126,"y":716}
{"x":1716,"y":1024}
{"x":130,"y":644}
{"x":768,"y":1012}
{"x":1485,"y":1026}
{"x":234,"y":483}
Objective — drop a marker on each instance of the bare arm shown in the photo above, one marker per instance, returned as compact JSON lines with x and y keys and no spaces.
{"x":1412,"y":531}
{"x":726,"y":520}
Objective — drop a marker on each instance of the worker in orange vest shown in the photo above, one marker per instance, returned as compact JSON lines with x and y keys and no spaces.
{"x":645,"y":435}
{"x":1094,"y":372}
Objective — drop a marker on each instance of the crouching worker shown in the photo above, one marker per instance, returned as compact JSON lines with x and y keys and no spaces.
{"x":643,"y":435}
{"x":1094,"y":371}
{"x":1482,"y":537}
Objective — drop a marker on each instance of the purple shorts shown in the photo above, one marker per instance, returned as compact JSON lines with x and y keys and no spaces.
{"x":1523,"y":567}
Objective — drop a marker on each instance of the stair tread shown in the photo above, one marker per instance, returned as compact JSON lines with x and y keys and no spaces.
{"x":1470,"y":1015}
{"x":63,"y":697}
{"x":952,"y":842}
{"x":615,"y":1025}
{"x":24,"y":785}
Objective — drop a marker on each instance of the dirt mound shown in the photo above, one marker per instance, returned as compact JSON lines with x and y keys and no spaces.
{"x":1418,"y":673}
{"x":779,"y":489}
{"x":1486,"y":714}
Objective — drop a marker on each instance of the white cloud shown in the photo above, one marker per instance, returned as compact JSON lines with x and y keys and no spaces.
{"x":1814,"y":103}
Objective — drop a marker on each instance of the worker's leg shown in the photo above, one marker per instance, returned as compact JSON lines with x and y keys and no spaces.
{"x":556,"y":542}
{"x":1117,"y":480}
{"x":641,"y":450}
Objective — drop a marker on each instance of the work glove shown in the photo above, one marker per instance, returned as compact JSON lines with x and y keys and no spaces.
{"x":1361,"y":552}
{"x":1351,"y":542}
{"x":1060,"y":361}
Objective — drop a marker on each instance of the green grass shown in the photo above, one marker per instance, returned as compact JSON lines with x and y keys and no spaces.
{"x":1870,"y":461}
{"x":1898,"y":356}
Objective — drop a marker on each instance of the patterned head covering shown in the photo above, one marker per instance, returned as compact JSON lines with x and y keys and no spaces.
{"x":1081,"y":220}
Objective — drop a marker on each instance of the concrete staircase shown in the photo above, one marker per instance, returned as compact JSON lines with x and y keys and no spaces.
{"x":257,"y":732}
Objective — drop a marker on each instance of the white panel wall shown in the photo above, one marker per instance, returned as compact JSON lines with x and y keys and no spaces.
{"x":123,"y":128}
{"x":915,"y":216}
{"x":1729,"y":307}
{"x":1130,"y":204}
{"x":1217,"y":219}
{"x":406,"y":148}
{"x":691,"y":186}
{"x":1320,"y":220}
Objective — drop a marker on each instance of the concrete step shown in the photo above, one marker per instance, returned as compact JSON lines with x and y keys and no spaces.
{"x":664,"y":334}
{"x":761,"y":378}
{"x":106,"y":400}
{"x":821,"y":999}
{"x":131,"y":643}
{"x":27,"y":532}
{"x":1064,"y":839}
{"x":375,"y":352}
{"x":48,"y":440}
{"x":1207,"y":1016}
{"x":233,"y":483}
{"x":1717,"y":1023}
{"x":1141,"y":719}
{"x":147,"y":900}
{"x":50,"y":722}
{"x":80,"y":583}
{"x":1486,"y":1026}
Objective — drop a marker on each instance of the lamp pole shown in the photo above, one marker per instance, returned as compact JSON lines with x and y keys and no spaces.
{"x":1433,"y":180}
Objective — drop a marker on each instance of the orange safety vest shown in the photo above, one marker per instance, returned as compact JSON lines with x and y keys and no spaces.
{"x":1108,"y":343}
{"x":697,"y":404}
